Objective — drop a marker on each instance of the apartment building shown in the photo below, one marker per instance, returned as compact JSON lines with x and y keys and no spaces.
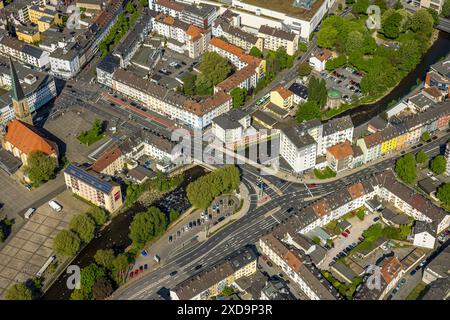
{"x":93,"y":187}
{"x":319,"y":59}
{"x":298,"y":268}
{"x":275,"y":38}
{"x":340,"y":156}
{"x":36,"y":12}
{"x":170,"y":103}
{"x":110,"y":163}
{"x":250,"y":69}
{"x":298,"y":148}
{"x":167,"y":7}
{"x":24,"y":53}
{"x":228,"y":26}
{"x":183,"y":37}
{"x":282,"y":97}
{"x":200,"y":15}
{"x":335,"y":131}
{"x":65,"y":62}
{"x":439,"y":76}
{"x":406,"y":132}
{"x":28,"y":34}
{"x":231,"y":127}
{"x":211,"y":281}
{"x":39,"y":88}
{"x":431,"y":4}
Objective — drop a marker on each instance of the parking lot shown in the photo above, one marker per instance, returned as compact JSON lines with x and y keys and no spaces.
{"x":219,"y":210}
{"x":29,"y":248}
{"x":342,"y":244}
{"x":346,"y":80}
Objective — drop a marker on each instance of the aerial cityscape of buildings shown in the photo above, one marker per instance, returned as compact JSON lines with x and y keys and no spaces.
{"x":224,"y":150}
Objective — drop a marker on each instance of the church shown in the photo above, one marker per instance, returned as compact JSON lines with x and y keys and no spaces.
{"x":21,"y":137}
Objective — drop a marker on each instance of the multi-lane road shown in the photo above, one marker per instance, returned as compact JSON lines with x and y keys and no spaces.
{"x":249,"y":228}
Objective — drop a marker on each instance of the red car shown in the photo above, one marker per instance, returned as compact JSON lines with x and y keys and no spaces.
{"x":312,"y":185}
{"x":264,"y":258}
{"x":131,"y":274}
{"x":344,"y":234}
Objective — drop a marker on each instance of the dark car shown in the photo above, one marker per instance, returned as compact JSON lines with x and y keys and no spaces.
{"x":198,"y":267}
{"x":269,"y":264}
{"x":376,"y":219}
{"x":173,"y":273}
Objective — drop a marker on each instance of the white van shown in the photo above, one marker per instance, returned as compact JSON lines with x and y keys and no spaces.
{"x":55,"y":205}
{"x":29,"y":213}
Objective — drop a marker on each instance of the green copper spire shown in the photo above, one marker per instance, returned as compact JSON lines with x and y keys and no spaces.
{"x":16,"y":88}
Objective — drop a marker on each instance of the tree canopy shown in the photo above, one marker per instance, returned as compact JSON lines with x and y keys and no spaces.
{"x":238,"y":95}
{"x":304,"y":69}
{"x":202,"y":191}
{"x":19,"y":291}
{"x":255,"y":52}
{"x":422,"y":157}
{"x":105,"y":258}
{"x":443,"y":193}
{"x":40,"y":167}
{"x":405,"y":167}
{"x":83,"y":226}
{"x":438,"y":164}
{"x":66,"y":243}
{"x":146,"y":226}
{"x":317,"y":91}
{"x":307,"y":111}
{"x":214,"y":67}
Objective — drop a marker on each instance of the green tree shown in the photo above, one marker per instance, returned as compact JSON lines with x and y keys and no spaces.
{"x":438,"y":164}
{"x":2,"y":235}
{"x":105,"y":258}
{"x":205,"y":189}
{"x":238,"y":96}
{"x":443,"y":193}
{"x":189,"y":84}
{"x":66,"y":243}
{"x":102,"y":289}
{"x":354,"y":41}
{"x":422,"y":157}
{"x":446,"y":9}
{"x":398,"y":5}
{"x":335,"y":63}
{"x":302,"y":47}
{"x":435,"y":16}
{"x":422,"y":22}
{"x":98,"y":215}
{"x":41,"y":167}
{"x":426,"y":136}
{"x":327,"y":36}
{"x":405,"y":167}
{"x":304,"y":69}
{"x":84,"y":226}
{"x":146,"y":226}
{"x":89,"y":275}
{"x":227,"y":291}
{"x":317,"y":91}
{"x":391,"y":25}
{"x":382,"y":4}
{"x":203,"y":86}
{"x":254,"y":51}
{"x":173,"y":215}
{"x":214,"y":67}
{"x":120,"y":267}
{"x":308,"y":111}
{"x":360,"y":7}
{"x":19,"y":291}
{"x":144,"y":3}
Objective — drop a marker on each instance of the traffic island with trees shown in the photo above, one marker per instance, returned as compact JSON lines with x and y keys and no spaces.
{"x":92,"y":135}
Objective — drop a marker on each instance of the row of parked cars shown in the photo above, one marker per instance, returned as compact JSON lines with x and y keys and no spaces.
{"x":346,"y":251}
{"x":192,"y":224}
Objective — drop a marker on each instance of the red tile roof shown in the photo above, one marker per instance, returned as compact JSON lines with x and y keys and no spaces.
{"x":341,"y":150}
{"x":283,"y":92}
{"x":106,"y":159}
{"x":391,"y":268}
{"x":27,"y":139}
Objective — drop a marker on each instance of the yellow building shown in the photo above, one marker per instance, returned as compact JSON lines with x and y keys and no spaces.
{"x":89,"y":4}
{"x":28,"y":34}
{"x":36,"y":12}
{"x":282,"y":98}
{"x":44,"y":23}
{"x":401,"y":141}
{"x":389,"y":137}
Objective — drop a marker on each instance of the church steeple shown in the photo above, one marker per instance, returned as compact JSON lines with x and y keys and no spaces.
{"x":16,"y":88}
{"x":19,"y":100}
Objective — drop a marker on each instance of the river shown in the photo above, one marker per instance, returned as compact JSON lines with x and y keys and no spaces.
{"x":114,"y":236}
{"x":439,"y":49}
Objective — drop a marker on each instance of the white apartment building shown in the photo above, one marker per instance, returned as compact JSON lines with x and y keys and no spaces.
{"x":275,"y":38}
{"x":298,"y":148}
{"x":335,"y":131}
{"x":173,"y":105}
{"x":230,"y":127}
{"x":65,"y":62}
{"x":24,"y":53}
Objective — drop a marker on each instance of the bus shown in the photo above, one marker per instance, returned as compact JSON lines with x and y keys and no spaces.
{"x":55,"y":205}
{"x":29,"y":213}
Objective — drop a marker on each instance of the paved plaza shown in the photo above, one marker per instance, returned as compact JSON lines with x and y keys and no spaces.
{"x":31,"y":246}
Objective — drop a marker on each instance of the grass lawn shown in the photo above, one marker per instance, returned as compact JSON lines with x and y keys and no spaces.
{"x":416,"y":292}
{"x":325,"y":173}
